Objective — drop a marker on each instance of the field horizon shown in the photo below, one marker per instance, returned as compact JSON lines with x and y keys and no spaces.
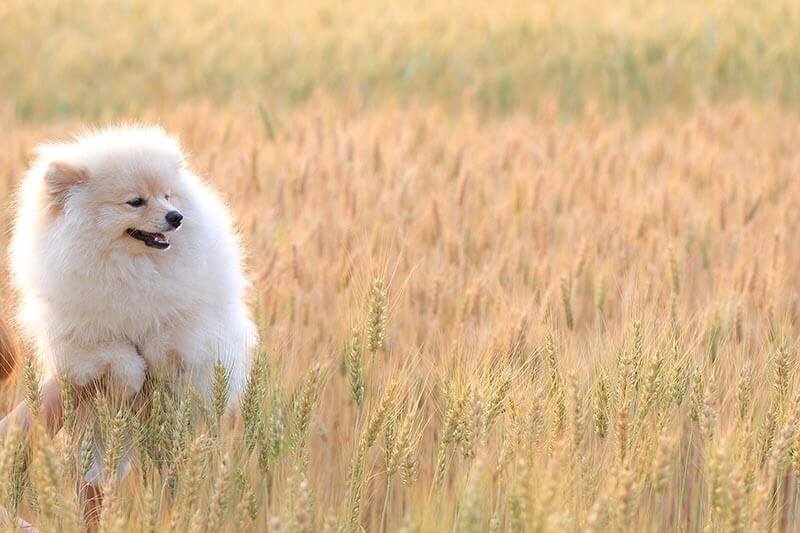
{"x":110,"y":59}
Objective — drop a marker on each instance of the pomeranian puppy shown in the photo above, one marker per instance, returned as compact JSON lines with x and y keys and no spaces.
{"x":126,"y":262}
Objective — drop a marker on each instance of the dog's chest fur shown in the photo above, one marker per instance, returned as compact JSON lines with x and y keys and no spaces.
{"x":130,"y":297}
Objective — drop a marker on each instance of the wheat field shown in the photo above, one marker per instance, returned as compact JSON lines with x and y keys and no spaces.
{"x":544,"y":282}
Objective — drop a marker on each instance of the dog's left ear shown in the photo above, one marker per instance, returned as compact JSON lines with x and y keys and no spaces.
{"x":60,"y":178}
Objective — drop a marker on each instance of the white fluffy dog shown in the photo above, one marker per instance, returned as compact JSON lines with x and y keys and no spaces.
{"x":126,"y":262}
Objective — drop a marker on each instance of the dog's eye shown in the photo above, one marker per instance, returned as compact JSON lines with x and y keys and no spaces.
{"x":137,"y":202}
{"x":166,"y":197}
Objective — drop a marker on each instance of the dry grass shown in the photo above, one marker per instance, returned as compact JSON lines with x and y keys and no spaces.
{"x":574,"y":324}
{"x":472,"y":320}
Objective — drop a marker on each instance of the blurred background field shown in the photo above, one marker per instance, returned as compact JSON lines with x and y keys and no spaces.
{"x":544,"y":254}
{"x":99,"y":58}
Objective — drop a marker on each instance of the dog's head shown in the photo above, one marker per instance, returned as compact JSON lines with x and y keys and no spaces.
{"x":124,"y":186}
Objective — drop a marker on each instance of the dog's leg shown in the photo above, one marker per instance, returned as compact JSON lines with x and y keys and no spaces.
{"x":236,"y":343}
{"x":92,"y":499}
{"x":200,"y":374}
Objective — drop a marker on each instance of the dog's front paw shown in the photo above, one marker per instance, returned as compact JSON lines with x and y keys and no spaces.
{"x":128,"y":374}
{"x":81,"y":372}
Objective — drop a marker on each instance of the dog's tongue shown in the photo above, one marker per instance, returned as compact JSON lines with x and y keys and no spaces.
{"x":159,"y":237}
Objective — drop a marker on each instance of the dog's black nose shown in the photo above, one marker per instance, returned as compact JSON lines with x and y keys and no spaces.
{"x":174,"y":219}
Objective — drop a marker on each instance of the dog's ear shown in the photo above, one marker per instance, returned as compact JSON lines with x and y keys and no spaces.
{"x":60,"y":178}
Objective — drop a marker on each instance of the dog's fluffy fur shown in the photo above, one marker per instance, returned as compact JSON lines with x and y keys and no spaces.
{"x":100,"y":302}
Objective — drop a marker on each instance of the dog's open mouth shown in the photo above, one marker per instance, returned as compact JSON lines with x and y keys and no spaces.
{"x":154,"y":240}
